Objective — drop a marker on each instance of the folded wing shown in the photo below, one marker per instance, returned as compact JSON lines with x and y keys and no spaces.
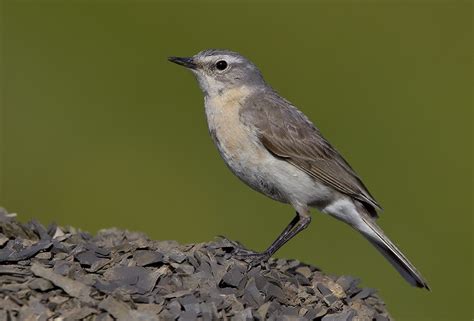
{"x":288,"y":134}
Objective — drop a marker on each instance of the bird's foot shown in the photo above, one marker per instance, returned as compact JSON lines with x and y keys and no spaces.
{"x":249,"y":255}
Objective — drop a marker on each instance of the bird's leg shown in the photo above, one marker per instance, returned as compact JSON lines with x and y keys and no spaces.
{"x":303,"y":222}
{"x":297,"y":224}
{"x":244,"y":253}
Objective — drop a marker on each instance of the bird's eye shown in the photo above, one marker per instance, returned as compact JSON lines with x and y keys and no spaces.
{"x":221,"y":65}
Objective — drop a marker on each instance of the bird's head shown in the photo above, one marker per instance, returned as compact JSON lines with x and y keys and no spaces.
{"x":221,"y":70}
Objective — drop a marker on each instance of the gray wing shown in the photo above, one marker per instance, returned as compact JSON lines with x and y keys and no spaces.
{"x":288,"y":134}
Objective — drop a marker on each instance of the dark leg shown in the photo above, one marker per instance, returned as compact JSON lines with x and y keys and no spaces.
{"x":297,"y":224}
{"x":303,"y":223}
{"x":248,"y":253}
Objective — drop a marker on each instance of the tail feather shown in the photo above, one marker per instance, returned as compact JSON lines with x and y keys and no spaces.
{"x":390,"y":251}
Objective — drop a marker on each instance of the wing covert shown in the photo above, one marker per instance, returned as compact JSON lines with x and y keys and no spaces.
{"x":287,"y":133}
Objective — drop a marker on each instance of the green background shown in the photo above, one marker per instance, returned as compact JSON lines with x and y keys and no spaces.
{"x":99,"y":130}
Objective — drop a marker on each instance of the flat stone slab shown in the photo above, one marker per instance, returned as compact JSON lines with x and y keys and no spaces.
{"x":62,"y":273}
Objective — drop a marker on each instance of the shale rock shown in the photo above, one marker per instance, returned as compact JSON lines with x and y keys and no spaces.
{"x":56,"y":273}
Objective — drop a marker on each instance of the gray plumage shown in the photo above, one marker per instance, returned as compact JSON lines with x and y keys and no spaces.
{"x":275,"y":149}
{"x":288,"y":134}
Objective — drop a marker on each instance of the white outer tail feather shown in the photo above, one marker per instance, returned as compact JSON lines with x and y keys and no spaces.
{"x":382,"y":243}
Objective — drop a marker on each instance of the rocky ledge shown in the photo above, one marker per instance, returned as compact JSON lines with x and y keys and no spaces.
{"x":56,"y":273}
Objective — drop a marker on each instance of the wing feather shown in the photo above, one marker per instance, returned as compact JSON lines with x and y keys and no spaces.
{"x":288,"y":134}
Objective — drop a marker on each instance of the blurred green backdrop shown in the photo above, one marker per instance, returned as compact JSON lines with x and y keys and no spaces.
{"x":99,"y":130}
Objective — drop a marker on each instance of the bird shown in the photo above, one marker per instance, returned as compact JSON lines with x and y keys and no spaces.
{"x":270,"y":145}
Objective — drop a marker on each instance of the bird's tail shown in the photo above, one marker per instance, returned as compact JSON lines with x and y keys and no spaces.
{"x":382,"y":243}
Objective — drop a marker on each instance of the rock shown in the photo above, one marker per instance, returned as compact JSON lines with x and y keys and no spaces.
{"x":66,"y":274}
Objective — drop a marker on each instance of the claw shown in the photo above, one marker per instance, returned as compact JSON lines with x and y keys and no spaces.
{"x":248,"y":255}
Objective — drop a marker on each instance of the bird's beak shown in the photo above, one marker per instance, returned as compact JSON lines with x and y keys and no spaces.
{"x":185,"y":61}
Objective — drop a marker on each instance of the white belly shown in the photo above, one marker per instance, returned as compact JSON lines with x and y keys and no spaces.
{"x":248,"y":159}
